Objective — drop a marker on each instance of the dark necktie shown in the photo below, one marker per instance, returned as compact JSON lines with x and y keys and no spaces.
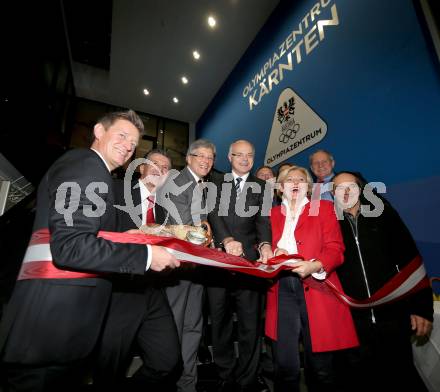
{"x":237,"y":185}
{"x":203,"y":189}
{"x":149,"y":216}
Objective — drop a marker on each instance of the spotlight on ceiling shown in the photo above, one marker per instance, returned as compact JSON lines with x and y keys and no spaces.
{"x":146,"y":92}
{"x":175,"y":100}
{"x":184,"y":79}
{"x":196,"y":55}
{"x":211,"y":21}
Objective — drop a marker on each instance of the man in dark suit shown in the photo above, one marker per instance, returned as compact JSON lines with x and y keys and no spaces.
{"x":241,"y":226}
{"x":182,"y":197}
{"x":57,"y":310}
{"x":139,"y":320}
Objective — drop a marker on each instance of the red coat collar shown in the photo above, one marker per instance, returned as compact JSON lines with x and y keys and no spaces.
{"x":281,"y":211}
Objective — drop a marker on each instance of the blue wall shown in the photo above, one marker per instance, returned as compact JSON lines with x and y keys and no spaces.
{"x":374,"y":79}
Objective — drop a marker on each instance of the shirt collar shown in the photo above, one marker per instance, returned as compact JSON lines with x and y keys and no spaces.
{"x":243,"y":177}
{"x":145,"y":193}
{"x":328,"y":178}
{"x":350,"y":216}
{"x":99,"y":155}
{"x":196,"y":177}
{"x":285,"y":203}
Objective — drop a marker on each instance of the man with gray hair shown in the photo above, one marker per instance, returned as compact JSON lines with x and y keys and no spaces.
{"x":185,"y":193}
{"x":322,"y":165}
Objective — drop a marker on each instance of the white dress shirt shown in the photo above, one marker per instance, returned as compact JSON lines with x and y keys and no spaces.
{"x":288,"y":240}
{"x":244,"y":178}
{"x":145,"y":194}
{"x":196,"y":177}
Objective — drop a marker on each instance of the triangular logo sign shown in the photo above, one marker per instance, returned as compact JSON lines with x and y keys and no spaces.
{"x":295,"y":127}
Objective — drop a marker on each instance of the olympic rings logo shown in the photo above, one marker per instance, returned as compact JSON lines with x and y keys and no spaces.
{"x":289,"y":133}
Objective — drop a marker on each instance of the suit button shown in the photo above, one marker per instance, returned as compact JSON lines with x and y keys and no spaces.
{"x":306,"y":288}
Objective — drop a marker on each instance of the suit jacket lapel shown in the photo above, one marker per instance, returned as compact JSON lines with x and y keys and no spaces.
{"x":137,"y":199}
{"x":186,"y":173}
{"x":303,"y":217}
{"x":229,"y":179}
{"x":194,"y":184}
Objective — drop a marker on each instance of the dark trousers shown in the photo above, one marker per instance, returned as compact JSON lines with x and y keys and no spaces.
{"x":246,"y":293}
{"x":140,"y":323}
{"x":384,"y":360}
{"x":292,"y":328}
{"x":50,"y":378}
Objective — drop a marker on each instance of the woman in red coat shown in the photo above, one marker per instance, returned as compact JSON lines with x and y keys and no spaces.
{"x":298,"y":306}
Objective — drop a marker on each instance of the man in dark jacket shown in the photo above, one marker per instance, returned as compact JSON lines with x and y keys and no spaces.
{"x":57,"y":310}
{"x":242,"y":228}
{"x":139,"y":319}
{"x":377,"y":246}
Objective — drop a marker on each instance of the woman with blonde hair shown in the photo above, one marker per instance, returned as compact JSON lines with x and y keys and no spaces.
{"x":298,"y":306}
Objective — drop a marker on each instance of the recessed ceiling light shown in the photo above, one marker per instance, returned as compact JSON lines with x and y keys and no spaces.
{"x":211,"y":21}
{"x":184,"y":80}
{"x":196,"y":54}
{"x":175,"y":100}
{"x":146,"y":92}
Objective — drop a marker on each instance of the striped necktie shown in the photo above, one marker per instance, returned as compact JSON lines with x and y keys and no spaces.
{"x":237,"y":185}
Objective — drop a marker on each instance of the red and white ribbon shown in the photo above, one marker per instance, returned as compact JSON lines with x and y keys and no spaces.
{"x":409,"y":280}
{"x":37,"y":264}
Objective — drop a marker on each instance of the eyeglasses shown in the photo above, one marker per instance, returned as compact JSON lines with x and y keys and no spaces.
{"x":240,"y":155}
{"x":200,"y":156}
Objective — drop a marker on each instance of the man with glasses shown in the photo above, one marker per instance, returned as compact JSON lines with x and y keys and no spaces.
{"x":184,"y":291}
{"x":241,"y":229}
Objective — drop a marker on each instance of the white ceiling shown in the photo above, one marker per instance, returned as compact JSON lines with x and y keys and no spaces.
{"x":151,"y":47}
